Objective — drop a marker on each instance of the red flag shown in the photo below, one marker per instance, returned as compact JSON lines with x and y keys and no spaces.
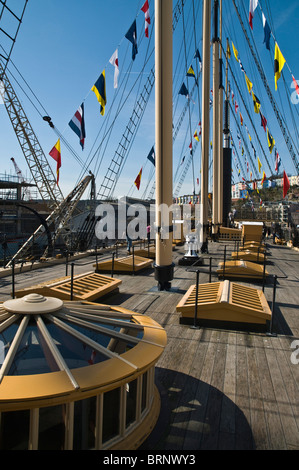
{"x":296,"y":84}
{"x":264,"y":178}
{"x":145,"y":10}
{"x":286,"y":184}
{"x":263,"y":122}
{"x":252,"y":7}
{"x":138,"y":180}
{"x":277,"y":161}
{"x":56,"y":154}
{"x":236,"y":106}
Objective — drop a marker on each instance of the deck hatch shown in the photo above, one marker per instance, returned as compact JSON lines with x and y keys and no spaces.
{"x":89,"y":286}
{"x":225,"y":301}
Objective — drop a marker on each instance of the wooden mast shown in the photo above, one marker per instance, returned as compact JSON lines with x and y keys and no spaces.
{"x":215,"y":141}
{"x":163,"y":105}
{"x":205,"y":119}
{"x":221,"y":89}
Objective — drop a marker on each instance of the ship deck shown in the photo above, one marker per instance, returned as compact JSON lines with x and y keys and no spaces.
{"x":220,"y":387}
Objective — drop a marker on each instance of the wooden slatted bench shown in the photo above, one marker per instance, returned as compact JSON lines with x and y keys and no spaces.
{"x":124,"y":265}
{"x":248,"y":255}
{"x":89,"y":286}
{"x":225,"y":301}
{"x":242,"y":270}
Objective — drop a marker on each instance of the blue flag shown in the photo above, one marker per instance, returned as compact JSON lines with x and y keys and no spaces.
{"x":197,"y":56}
{"x":77,"y":124}
{"x":132,"y":37}
{"x":184,"y":91}
{"x":99,"y":89}
{"x":267,"y":32}
{"x":151,"y":156}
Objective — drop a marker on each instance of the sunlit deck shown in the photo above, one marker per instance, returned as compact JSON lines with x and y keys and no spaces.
{"x":221,"y":388}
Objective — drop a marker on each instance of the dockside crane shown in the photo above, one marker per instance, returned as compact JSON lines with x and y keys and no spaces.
{"x":20,"y":176}
{"x":62,"y":208}
{"x":60,"y":217}
{"x":40,"y":169}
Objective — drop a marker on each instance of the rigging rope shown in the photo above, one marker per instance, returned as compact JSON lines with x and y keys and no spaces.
{"x":42,"y":115}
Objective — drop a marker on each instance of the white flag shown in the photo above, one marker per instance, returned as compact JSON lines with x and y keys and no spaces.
{"x":114,"y":61}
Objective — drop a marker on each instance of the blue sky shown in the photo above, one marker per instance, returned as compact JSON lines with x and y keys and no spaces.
{"x":64,"y":45}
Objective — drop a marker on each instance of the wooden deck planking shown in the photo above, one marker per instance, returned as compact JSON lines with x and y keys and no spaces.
{"x":257,"y":415}
{"x":243,"y":440}
{"x":228,"y":414}
{"x":289,"y":427}
{"x":215,"y":397}
{"x":271,"y":407}
{"x":222,"y":389}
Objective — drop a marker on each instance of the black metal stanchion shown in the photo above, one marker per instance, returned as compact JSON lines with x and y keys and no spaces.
{"x":72,"y":280}
{"x":116,"y":250}
{"x":270,"y":333}
{"x":210,"y":270}
{"x":195,"y":326}
{"x":264,"y":273}
{"x":13,"y":278}
{"x":4,"y":254}
{"x":112,"y":266}
{"x":96,"y":250}
{"x":224,"y":259}
{"x":66,"y":262}
{"x":133,"y":260}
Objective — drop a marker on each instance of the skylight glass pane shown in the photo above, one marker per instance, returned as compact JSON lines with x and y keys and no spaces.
{"x":33,"y":356}
{"x":74,"y":352}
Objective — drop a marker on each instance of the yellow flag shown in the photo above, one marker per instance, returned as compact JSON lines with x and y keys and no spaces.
{"x":256,"y":103}
{"x":248,"y":83}
{"x":228,"y":53}
{"x":235,"y":52}
{"x":259,"y":164}
{"x":264,"y":178}
{"x":99,"y":88}
{"x":279,"y":62}
{"x":271,"y":141}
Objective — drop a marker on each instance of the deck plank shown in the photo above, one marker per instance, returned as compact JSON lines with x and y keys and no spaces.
{"x":219,"y":388}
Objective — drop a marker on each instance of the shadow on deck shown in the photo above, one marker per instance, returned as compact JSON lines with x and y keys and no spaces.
{"x":196,"y":416}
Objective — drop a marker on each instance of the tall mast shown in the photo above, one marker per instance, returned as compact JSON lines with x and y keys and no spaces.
{"x":163,"y":130}
{"x":220,"y":172}
{"x":215,"y":118}
{"x":205,"y":117}
{"x":227,"y":153}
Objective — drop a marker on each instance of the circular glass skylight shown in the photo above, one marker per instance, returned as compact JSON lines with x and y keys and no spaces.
{"x":42,"y":334}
